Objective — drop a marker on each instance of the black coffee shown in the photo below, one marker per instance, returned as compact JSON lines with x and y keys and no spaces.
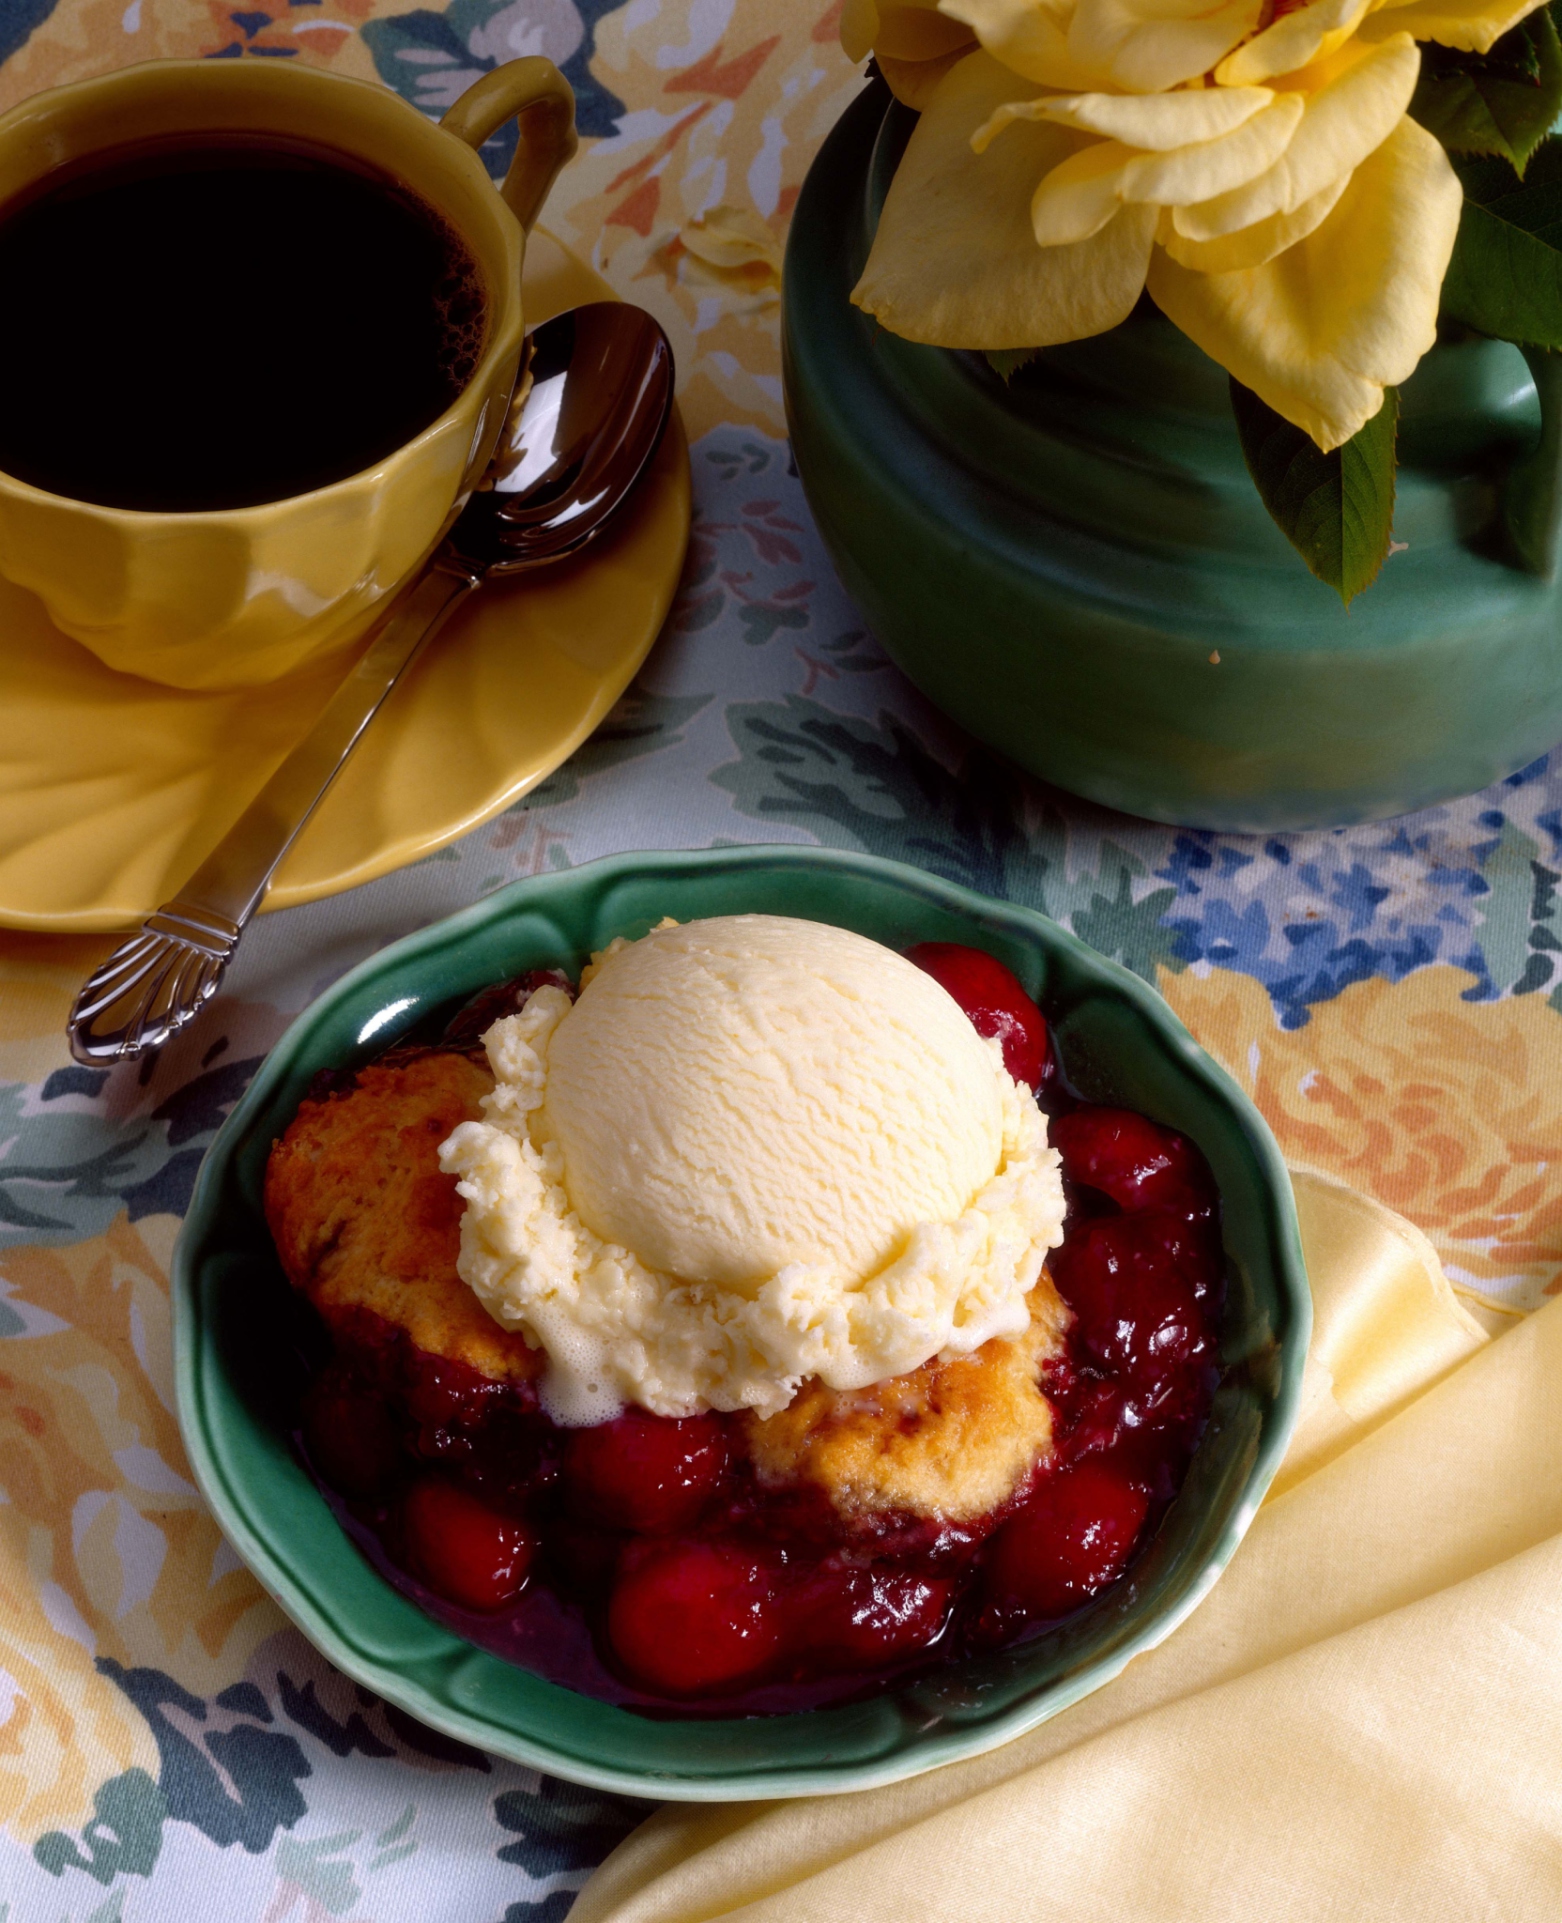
{"x":213,"y":323}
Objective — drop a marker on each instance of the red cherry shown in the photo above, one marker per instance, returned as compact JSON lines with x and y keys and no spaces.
{"x":647,"y":1473}
{"x":1156,"y":1456}
{"x":862,"y":1618}
{"x":1071,"y":1539}
{"x":465,"y":1551}
{"x":992,"y":997}
{"x":442,"y":1393}
{"x":349,"y":1434}
{"x":1094,"y":1412}
{"x":1131,"y":1159}
{"x":1132,"y":1282}
{"x":687,"y":1618}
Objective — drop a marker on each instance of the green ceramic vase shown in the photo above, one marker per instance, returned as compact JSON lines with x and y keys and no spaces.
{"x":1077,"y":568}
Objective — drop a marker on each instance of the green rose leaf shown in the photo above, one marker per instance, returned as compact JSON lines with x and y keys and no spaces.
{"x":1336,"y":510}
{"x":1501,"y":103}
{"x":1505,"y":278}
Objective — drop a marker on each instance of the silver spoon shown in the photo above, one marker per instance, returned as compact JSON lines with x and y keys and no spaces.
{"x":588,"y":415}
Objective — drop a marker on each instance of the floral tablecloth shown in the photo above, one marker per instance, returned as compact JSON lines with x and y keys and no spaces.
{"x":1391,"y":995}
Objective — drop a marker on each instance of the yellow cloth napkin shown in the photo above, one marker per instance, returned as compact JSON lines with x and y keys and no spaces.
{"x":1362,"y":1722}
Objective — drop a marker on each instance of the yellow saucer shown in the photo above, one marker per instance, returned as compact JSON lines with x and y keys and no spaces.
{"x":112,"y":789}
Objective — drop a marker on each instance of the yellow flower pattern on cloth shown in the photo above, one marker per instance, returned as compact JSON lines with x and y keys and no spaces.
{"x":1254,"y":166}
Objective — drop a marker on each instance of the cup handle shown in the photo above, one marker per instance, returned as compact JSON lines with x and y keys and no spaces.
{"x":534,"y":93}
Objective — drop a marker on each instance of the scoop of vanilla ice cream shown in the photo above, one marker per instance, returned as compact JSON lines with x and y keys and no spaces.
{"x":733,"y":1096}
{"x":755,"y":1150}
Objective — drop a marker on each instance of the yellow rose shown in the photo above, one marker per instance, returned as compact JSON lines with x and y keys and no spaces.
{"x":1256,"y":169}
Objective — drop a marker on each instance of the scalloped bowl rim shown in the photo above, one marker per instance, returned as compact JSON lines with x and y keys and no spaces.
{"x":255,"y":1541}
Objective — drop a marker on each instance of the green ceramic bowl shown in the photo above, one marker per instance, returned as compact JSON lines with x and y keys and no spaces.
{"x":1078,"y":569}
{"x":1117,"y":1041}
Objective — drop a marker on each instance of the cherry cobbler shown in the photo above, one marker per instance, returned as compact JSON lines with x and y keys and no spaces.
{"x":736,"y":1560}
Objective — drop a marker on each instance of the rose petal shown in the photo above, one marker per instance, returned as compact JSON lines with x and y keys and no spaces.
{"x":859,"y":28}
{"x":1295,"y":40}
{"x":1157,"y":122}
{"x":1080,"y":195}
{"x":916,"y":30}
{"x":955,"y":261}
{"x":915,"y":43}
{"x":1149,"y":45}
{"x":1030,"y":37}
{"x":914,"y":82}
{"x":1321,"y":330}
{"x":1253,"y":245}
{"x":1364,"y":95}
{"x":1465,"y":24}
{"x":1213,"y":167}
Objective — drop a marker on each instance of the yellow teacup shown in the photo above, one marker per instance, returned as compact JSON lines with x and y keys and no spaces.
{"x":235,"y":597}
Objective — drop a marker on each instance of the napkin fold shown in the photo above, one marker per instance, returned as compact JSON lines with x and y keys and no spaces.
{"x":1363,"y":1721}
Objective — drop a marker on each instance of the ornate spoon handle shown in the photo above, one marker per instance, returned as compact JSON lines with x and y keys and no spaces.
{"x":159,"y":980}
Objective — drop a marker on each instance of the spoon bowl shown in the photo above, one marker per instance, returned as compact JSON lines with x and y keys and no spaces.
{"x":589,"y":413}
